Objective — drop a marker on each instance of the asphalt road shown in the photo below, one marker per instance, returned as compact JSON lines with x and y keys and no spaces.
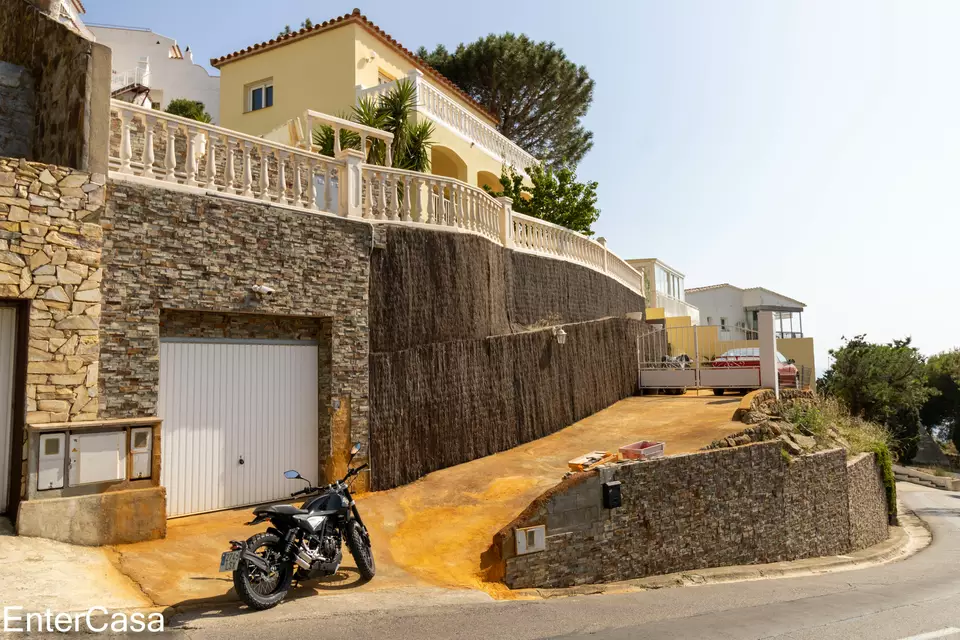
{"x":918,"y":595}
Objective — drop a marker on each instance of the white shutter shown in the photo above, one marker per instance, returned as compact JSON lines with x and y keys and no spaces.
{"x":221,"y":401}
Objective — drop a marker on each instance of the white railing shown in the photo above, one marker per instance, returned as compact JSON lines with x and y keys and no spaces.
{"x":676,"y":308}
{"x":445,"y":110}
{"x":409,"y":196}
{"x":123,"y":79}
{"x":169,"y":150}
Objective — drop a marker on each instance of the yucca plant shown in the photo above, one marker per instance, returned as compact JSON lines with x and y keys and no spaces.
{"x":393,"y":112}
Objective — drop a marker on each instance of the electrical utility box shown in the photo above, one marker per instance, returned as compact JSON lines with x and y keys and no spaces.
{"x":53,"y":448}
{"x":97,"y":457}
{"x":611,"y":494}
{"x":141,"y":449}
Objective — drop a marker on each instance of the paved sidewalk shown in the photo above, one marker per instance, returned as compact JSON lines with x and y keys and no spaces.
{"x":39,"y":574}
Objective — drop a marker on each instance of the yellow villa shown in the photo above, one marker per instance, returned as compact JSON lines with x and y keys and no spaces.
{"x":265,"y":92}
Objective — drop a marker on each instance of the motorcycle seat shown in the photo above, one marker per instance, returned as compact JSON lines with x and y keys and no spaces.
{"x":280,"y":509}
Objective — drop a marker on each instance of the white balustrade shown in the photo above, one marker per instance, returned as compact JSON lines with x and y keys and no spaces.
{"x":202,"y":156}
{"x":442,"y":108}
{"x":196,"y":154}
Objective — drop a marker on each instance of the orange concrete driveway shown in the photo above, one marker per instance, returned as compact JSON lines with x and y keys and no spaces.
{"x":432,"y":532}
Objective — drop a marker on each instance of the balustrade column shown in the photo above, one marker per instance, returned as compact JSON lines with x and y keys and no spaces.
{"x":247,"y":171}
{"x":312,"y":183}
{"x":191,"y":152}
{"x":264,"y":173}
{"x":126,"y":152}
{"x":230,"y":176}
{"x":281,"y":177}
{"x":170,"y":161}
{"x":603,"y":243}
{"x":297,"y":184}
{"x":148,"y":154}
{"x":211,"y":169}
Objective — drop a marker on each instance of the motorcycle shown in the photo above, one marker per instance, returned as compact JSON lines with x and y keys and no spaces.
{"x":301,"y":543}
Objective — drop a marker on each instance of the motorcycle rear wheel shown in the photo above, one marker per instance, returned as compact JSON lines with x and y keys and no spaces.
{"x":359,"y":544}
{"x":257,"y":589}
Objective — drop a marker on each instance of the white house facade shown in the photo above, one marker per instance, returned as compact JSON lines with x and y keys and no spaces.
{"x":144,"y":60}
{"x":735,"y":310}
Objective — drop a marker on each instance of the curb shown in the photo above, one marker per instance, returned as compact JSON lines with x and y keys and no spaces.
{"x":903,"y":541}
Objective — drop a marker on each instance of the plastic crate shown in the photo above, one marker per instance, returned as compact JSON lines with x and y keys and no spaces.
{"x":643,"y":450}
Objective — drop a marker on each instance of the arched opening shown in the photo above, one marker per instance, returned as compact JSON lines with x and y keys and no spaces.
{"x":487,"y":179}
{"x":445,"y":162}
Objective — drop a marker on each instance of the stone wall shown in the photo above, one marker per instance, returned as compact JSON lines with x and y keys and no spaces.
{"x":733,"y":506}
{"x":71,"y":80}
{"x":172,"y":250}
{"x":50,"y":248}
{"x":867,"y":502}
{"x":443,"y":404}
{"x":432,"y":286}
{"x":17,"y":111}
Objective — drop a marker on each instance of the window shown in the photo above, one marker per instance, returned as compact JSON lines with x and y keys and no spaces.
{"x":260,"y":95}
{"x":723,"y":324}
{"x":383,"y":77}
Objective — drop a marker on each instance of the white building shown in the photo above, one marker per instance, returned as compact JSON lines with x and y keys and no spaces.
{"x":665,"y":290}
{"x":146,"y":62}
{"x":735,"y":310}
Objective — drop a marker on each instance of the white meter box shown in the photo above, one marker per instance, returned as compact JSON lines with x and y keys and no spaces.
{"x":53,"y":448}
{"x":97,"y":457}
{"x":141,"y":448}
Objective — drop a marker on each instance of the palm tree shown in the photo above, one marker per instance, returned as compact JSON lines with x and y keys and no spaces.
{"x":393,"y":112}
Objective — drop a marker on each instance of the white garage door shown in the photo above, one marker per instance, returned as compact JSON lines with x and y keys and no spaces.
{"x":236,"y":415}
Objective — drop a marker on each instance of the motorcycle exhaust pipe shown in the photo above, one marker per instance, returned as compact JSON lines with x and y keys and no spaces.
{"x":302,"y":561}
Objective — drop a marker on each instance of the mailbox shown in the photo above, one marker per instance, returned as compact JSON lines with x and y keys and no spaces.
{"x":611,"y":494}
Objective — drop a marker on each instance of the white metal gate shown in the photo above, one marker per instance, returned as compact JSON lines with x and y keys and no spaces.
{"x":693,"y":357}
{"x":236,"y":415}
{"x":8,"y":342}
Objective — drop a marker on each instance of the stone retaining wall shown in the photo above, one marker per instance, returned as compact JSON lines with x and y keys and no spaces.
{"x":867,"y":502}
{"x":732,"y":506}
{"x":70,"y":77}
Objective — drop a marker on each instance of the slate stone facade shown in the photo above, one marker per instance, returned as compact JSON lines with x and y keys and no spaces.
{"x":169,"y":254}
{"x":732,"y":506}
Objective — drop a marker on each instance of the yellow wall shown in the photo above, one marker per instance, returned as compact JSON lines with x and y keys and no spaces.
{"x":321,"y":72}
{"x":654,"y":313}
{"x":310,"y":73}
{"x":800,"y":350}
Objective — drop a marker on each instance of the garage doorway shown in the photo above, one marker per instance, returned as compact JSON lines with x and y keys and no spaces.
{"x":236,"y":414}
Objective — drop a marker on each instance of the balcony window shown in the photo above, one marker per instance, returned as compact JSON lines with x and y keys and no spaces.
{"x":260,"y":95}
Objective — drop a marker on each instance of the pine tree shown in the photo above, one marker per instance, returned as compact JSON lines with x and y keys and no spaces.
{"x":538,"y":94}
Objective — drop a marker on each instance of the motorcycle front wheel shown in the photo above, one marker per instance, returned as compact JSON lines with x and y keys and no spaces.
{"x":359,"y":543}
{"x":257,"y":588}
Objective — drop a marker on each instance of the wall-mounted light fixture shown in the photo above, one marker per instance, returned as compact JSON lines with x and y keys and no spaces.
{"x":560,"y":335}
{"x":263,"y":290}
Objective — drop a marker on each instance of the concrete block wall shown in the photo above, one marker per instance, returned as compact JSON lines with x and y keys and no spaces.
{"x":732,"y":506}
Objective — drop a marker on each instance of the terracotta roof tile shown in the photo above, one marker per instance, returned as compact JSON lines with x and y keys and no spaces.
{"x":359,"y":18}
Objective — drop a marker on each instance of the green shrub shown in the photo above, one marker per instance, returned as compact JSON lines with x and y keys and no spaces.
{"x":885,"y":460}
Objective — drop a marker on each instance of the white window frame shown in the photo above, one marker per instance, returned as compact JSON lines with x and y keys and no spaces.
{"x":248,"y":95}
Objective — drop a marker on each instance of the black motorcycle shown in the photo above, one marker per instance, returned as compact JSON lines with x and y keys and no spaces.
{"x":302,"y":543}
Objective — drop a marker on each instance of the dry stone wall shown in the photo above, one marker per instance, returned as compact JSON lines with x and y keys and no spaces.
{"x":50,"y":250}
{"x":731,"y":506}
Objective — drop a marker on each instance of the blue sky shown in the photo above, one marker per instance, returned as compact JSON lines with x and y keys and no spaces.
{"x":809,"y":147}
